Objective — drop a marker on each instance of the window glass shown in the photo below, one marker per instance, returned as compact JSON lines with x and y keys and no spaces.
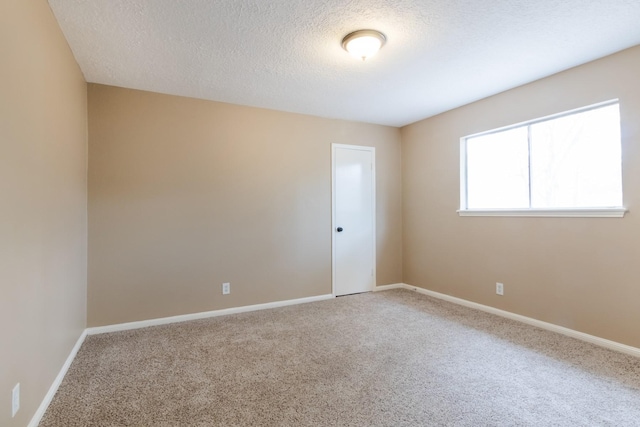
{"x":567,"y":161}
{"x":575,"y":160}
{"x":497,"y":170}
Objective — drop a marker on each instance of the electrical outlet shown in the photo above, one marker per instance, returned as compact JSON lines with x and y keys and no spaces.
{"x":15,"y":400}
{"x":499,"y":289}
{"x":226,"y":288}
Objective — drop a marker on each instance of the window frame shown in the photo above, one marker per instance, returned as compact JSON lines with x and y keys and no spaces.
{"x":602,"y":212}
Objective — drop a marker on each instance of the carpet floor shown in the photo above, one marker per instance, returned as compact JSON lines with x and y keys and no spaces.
{"x":393,"y":358}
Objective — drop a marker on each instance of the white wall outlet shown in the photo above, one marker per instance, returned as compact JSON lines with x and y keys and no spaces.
{"x":226,"y":288}
{"x":499,"y":289}
{"x":15,"y":400}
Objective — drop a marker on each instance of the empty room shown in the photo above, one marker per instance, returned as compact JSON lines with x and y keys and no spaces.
{"x":319,"y":213}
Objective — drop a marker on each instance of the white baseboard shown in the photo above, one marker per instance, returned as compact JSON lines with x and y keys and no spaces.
{"x":601,"y":342}
{"x":202,"y":315}
{"x":35,"y":420}
{"x":387,"y":287}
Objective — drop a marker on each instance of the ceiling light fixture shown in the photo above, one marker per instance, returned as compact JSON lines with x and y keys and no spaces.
{"x":363,"y":44}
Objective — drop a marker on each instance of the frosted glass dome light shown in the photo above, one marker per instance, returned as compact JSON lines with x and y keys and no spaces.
{"x":363,"y":44}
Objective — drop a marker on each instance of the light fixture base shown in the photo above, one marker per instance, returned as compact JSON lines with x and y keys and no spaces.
{"x":363,"y":43}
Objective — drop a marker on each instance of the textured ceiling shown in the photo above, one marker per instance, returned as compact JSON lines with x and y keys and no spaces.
{"x":286,"y":54}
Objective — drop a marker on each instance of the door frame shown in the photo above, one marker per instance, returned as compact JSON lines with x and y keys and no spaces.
{"x":334,"y":147}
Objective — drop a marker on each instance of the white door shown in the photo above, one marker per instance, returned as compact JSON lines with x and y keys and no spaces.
{"x":353,"y":219}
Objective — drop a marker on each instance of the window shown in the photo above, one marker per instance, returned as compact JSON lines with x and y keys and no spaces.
{"x":568,"y":164}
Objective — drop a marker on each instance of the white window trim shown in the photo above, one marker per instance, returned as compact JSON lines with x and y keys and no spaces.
{"x":558,"y":212}
{"x":608,"y":212}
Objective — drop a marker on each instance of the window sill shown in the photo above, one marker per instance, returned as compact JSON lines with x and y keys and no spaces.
{"x":561,"y":213}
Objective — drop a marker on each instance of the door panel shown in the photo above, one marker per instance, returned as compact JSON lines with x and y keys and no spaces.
{"x":354,"y":206}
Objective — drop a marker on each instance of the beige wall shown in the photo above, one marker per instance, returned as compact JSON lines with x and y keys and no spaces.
{"x":581,"y":273}
{"x":187,"y":194}
{"x":43,"y":228}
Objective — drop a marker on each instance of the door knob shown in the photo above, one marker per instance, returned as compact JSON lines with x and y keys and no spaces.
{"x":339,"y":229}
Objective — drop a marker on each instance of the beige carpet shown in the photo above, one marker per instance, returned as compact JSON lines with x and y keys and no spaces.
{"x":394,"y":358}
